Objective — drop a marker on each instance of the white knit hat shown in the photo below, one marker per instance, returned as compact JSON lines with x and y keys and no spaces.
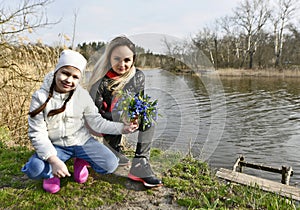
{"x":71,"y":58}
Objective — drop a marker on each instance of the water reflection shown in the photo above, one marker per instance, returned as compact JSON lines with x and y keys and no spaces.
{"x":258,"y":121}
{"x":256,"y":111}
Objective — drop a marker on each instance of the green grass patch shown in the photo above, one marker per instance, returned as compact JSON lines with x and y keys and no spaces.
{"x":198,"y":188}
{"x":17,"y":191}
{"x":191,"y":184}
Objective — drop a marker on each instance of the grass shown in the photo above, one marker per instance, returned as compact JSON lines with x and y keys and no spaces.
{"x":197,"y":187}
{"x":17,"y":191}
{"x":188,"y":183}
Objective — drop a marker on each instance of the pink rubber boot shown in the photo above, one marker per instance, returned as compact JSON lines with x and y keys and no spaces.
{"x":81,"y":173}
{"x":51,"y":185}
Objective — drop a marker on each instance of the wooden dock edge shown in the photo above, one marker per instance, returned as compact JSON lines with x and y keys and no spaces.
{"x":264,"y":184}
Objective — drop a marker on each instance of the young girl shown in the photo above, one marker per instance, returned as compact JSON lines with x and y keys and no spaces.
{"x":57,"y":130}
{"x":114,"y":72}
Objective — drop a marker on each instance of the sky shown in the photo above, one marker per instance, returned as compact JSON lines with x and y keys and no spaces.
{"x":102,"y":20}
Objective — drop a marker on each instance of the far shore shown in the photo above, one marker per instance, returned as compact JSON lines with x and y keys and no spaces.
{"x":260,"y":72}
{"x":283,"y":73}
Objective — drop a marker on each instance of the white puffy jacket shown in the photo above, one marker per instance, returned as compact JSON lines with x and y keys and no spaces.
{"x":66,"y":128}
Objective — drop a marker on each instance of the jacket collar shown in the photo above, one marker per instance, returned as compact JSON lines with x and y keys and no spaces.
{"x":112,"y":74}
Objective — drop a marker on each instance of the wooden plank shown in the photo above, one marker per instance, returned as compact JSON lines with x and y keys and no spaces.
{"x":261,"y":167}
{"x":264,"y":184}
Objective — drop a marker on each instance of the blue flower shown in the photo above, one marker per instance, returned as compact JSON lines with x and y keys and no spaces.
{"x":139,"y":107}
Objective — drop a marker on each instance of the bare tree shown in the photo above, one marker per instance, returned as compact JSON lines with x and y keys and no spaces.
{"x":229,"y":42}
{"x":28,"y":15}
{"x":206,"y":40}
{"x":74,"y":28}
{"x":251,"y":16}
{"x":281,"y":16}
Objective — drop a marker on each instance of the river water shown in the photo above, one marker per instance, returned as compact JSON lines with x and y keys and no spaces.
{"x":220,"y":118}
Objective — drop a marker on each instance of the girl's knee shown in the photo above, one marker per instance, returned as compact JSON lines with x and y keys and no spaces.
{"x":112,"y":164}
{"x":107,"y":166}
{"x":36,"y":168}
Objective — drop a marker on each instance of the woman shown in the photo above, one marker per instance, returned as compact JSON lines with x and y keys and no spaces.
{"x":115,"y":72}
{"x":58,"y":113}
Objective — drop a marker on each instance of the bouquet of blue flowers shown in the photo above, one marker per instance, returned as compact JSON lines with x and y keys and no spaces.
{"x":138,"y":107}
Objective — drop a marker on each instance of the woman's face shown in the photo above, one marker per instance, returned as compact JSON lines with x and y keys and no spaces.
{"x":67,"y":79}
{"x":121,"y":59}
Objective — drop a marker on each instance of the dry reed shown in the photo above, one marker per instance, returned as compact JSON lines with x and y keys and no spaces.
{"x":22,"y":69}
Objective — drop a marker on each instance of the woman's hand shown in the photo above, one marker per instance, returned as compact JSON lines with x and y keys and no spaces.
{"x":59,"y":168}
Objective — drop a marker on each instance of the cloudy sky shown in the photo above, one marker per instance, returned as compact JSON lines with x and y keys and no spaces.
{"x":101,"y":20}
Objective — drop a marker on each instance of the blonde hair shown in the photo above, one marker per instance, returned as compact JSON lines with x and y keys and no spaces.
{"x":103,"y":65}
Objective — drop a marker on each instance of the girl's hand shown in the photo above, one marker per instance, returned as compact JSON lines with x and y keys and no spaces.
{"x":59,"y":168}
{"x":130,"y":127}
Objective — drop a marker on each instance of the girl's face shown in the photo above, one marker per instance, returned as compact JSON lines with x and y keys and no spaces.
{"x":121,"y":59}
{"x":67,"y":79}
